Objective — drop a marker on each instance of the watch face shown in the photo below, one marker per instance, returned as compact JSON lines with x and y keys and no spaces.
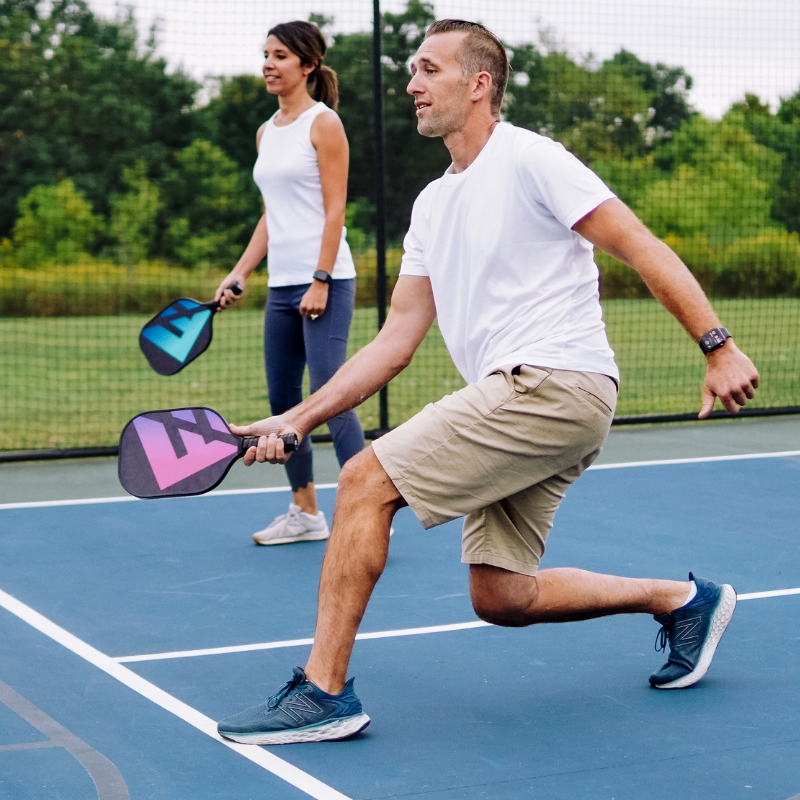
{"x":713,"y":339}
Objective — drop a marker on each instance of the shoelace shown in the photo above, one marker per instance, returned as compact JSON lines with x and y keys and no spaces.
{"x":285,"y":690}
{"x":661,"y":639}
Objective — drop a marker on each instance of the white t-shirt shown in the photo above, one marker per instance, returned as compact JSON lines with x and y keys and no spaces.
{"x":287,"y":173}
{"x":513,"y":284}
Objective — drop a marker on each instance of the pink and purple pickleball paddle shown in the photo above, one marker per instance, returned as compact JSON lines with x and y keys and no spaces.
{"x":179,"y":452}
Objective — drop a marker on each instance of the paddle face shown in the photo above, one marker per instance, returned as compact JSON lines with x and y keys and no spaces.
{"x":177,"y":335}
{"x":177,"y":452}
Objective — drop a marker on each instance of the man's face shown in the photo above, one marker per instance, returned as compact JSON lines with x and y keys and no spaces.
{"x":438,"y":85}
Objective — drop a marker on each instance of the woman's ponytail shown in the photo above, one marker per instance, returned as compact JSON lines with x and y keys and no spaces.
{"x":305,"y":40}
{"x":326,"y":86}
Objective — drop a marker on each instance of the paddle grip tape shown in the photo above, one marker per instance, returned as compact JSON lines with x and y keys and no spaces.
{"x":289,"y":442}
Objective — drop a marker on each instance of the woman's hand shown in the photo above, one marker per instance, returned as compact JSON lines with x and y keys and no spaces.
{"x":224,"y":296}
{"x":314,"y":300}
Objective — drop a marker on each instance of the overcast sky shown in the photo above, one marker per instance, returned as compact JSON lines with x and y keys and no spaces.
{"x":729,"y":47}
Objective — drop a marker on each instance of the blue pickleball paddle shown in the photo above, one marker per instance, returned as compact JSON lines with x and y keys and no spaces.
{"x":179,"y":333}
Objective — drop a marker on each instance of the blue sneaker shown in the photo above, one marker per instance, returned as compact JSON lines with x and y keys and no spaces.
{"x":693,"y":632}
{"x":298,"y":712}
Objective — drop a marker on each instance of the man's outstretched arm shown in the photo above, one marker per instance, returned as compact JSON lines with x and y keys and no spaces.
{"x":614,"y":228}
{"x":367,"y":372}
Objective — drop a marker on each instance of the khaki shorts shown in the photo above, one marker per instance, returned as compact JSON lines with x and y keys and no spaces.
{"x":502,"y":453}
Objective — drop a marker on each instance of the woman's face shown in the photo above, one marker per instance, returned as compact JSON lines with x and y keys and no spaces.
{"x":282,"y":68}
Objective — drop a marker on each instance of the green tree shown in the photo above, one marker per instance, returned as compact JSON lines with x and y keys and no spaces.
{"x":82,"y":97}
{"x":717,"y":180}
{"x":207,"y":207}
{"x":133,"y":216}
{"x":621,"y":109}
{"x":232,"y":117}
{"x":55,"y":225}
{"x":781,"y":133}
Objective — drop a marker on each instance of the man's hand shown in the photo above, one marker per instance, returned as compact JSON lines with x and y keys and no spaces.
{"x":270,"y":447}
{"x":731,"y":376}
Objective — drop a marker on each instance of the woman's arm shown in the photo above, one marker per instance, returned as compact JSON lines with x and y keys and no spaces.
{"x":254,"y":254}
{"x":333,"y":155}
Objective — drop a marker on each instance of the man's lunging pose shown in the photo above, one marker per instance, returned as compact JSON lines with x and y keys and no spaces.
{"x":500,"y":249}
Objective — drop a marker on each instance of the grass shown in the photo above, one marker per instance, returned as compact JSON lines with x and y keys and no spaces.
{"x":75,"y":381}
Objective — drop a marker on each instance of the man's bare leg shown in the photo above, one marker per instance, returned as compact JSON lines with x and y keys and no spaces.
{"x":366,"y":502}
{"x":563,"y":595}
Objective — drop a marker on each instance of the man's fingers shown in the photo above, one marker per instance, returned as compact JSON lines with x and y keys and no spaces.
{"x":740,"y":397}
{"x":708,"y":403}
{"x":250,"y":456}
{"x":270,"y":450}
{"x":731,"y":405}
{"x":241,"y":431}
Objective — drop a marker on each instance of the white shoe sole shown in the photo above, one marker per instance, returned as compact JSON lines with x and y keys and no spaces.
{"x":719,"y":622}
{"x":326,"y":732}
{"x":309,"y":536}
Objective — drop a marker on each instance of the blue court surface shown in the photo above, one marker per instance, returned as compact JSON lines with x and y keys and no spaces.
{"x":128,"y":628}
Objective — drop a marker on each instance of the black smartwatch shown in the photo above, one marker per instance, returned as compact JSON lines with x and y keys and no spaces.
{"x":714,"y":339}
{"x":322,"y":276}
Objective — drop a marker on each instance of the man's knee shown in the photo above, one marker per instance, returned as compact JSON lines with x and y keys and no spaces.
{"x":501,"y":597}
{"x":363,"y":479}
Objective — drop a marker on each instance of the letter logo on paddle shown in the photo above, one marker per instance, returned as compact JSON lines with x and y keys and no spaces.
{"x":176,"y":329}
{"x":176,"y":446}
{"x":176,"y":452}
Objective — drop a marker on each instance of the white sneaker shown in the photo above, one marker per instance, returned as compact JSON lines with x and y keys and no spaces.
{"x":294,"y":526}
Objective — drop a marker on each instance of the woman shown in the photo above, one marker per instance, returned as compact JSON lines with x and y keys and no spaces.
{"x":301,"y":171}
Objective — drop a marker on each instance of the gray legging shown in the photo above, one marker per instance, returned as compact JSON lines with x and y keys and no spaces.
{"x":291,"y":341}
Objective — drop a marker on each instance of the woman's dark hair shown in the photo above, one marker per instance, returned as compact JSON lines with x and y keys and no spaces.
{"x":305,"y":40}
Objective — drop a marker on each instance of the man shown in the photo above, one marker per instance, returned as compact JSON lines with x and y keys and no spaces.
{"x":500,"y":248}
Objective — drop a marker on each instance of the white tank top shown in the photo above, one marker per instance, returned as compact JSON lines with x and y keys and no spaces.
{"x":287,"y":173}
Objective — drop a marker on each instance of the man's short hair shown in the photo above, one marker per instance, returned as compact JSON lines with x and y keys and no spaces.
{"x":481,"y":51}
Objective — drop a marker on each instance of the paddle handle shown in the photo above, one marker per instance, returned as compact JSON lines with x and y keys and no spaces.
{"x":289,"y":442}
{"x":235,"y":287}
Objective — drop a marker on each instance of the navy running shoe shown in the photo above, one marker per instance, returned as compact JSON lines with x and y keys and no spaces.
{"x":298,"y":712}
{"x":693,"y":632}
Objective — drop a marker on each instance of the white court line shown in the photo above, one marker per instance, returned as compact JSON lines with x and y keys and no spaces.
{"x":458,"y":626}
{"x":228,"y":492}
{"x":215,"y":651}
{"x":277,"y":766}
{"x":700,"y":460}
{"x":775,"y":593}
{"x":128,"y":499}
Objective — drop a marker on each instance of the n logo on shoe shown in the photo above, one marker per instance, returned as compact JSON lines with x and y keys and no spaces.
{"x":685,"y":631}
{"x":294,"y":707}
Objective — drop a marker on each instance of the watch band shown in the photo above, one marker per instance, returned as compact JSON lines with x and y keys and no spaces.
{"x":322,"y":276}
{"x":714,"y":339}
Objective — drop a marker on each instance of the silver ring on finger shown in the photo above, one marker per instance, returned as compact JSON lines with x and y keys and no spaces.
{"x":313,"y":316}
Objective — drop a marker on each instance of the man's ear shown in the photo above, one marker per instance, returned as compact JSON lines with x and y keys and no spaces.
{"x":482,"y":86}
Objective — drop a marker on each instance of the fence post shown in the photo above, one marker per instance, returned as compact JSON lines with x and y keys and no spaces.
{"x":380,"y":192}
